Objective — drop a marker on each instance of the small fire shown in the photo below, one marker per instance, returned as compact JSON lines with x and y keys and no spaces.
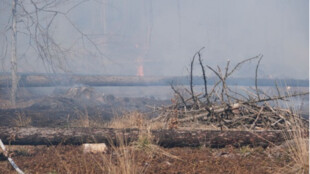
{"x":140,"y":72}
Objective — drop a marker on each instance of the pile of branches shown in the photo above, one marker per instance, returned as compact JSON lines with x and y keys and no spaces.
{"x":221,"y":107}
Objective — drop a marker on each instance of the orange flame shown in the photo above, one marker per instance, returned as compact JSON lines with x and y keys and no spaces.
{"x":140,"y":72}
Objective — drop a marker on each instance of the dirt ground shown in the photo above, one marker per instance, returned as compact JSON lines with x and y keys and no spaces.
{"x":71,"y":159}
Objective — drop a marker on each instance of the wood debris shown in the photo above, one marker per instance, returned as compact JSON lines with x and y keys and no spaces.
{"x":225,"y":108}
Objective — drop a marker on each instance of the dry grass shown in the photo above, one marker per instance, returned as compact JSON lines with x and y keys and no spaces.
{"x":21,"y":120}
{"x":297,"y":144}
{"x":129,"y":120}
{"x":121,"y":160}
{"x":125,"y":154}
{"x":135,"y":119}
{"x":297,"y":148}
{"x":84,"y":120}
{"x":124,"y":163}
{"x":156,"y":125}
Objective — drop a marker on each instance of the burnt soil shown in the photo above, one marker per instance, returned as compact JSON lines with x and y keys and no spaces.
{"x":61,"y":109}
{"x":71,"y":159}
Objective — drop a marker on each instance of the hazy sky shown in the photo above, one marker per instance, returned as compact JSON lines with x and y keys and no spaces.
{"x":163,"y":35}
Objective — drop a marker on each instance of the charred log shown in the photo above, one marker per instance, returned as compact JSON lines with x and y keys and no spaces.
{"x":164,"y":137}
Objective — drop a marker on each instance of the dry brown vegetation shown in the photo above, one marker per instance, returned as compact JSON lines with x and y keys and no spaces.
{"x":297,"y":148}
{"x":21,"y":120}
{"x":129,"y":120}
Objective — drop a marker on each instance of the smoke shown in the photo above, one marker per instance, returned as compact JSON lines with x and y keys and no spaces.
{"x":169,"y":32}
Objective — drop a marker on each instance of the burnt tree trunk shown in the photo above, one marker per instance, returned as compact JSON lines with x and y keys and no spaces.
{"x":14,"y":76}
{"x":165,"y":138}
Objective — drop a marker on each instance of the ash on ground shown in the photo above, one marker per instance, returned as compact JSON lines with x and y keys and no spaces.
{"x":65,"y":105}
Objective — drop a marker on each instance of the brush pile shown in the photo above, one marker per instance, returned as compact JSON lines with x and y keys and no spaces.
{"x":224,"y":108}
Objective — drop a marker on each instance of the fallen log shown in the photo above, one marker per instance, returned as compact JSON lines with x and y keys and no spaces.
{"x":165,"y":138}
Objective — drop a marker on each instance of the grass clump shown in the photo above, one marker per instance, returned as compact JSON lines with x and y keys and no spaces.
{"x":296,"y":147}
{"x":129,"y":120}
{"x":121,"y":160}
{"x":21,"y":120}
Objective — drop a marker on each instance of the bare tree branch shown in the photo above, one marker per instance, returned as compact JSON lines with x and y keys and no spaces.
{"x":35,"y":19}
{"x":204,"y":77}
{"x":260,"y":58}
{"x":178,"y":93}
{"x":240,"y":63}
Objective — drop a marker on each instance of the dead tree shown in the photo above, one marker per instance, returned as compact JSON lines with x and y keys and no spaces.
{"x":34,"y":19}
{"x":13,"y":55}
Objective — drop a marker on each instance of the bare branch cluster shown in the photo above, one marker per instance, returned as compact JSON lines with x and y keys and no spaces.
{"x":37,"y":20}
{"x":225,"y":108}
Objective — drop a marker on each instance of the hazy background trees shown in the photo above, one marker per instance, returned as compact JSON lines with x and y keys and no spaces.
{"x":32,"y":25}
{"x":229,"y":30}
{"x":117,"y":36}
